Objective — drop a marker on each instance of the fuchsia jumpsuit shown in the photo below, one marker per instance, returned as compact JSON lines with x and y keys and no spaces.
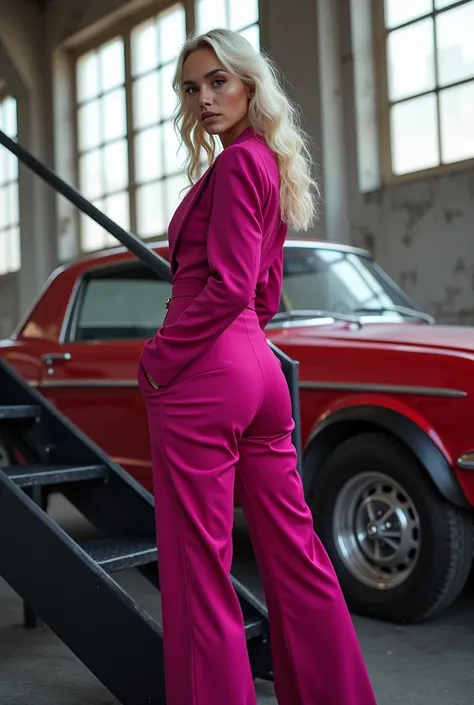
{"x":220,"y":418}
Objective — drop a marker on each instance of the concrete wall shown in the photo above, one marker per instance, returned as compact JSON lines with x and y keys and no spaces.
{"x":420,"y":232}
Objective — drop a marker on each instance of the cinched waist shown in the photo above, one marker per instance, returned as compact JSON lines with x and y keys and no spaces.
{"x":192,"y":287}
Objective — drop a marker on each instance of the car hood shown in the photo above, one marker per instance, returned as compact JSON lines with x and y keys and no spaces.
{"x":455,"y":338}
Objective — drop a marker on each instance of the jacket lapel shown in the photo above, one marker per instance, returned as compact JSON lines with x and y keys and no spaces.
{"x":182,"y":212}
{"x":176,"y":225}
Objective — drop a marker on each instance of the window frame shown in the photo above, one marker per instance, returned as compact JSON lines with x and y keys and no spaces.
{"x":380,"y":32}
{"x":123,"y":29}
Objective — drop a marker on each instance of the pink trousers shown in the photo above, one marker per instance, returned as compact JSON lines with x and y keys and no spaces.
{"x":225,"y":422}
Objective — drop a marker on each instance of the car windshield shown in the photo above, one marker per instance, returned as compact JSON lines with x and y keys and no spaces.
{"x":320,"y":280}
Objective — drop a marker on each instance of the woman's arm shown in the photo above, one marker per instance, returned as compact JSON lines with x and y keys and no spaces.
{"x":267,"y":301}
{"x":233,"y":252}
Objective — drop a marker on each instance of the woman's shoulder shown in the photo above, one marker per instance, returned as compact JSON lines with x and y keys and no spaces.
{"x":251,"y":154}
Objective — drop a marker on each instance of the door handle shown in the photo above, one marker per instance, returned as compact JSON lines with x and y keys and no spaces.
{"x":49,"y":358}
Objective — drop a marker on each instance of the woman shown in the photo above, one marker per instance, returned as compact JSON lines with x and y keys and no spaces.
{"x":218,"y":404}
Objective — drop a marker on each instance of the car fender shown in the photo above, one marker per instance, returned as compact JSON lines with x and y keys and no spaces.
{"x":364,"y":414}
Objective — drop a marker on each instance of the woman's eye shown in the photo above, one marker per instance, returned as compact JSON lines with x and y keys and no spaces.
{"x":219,"y":82}
{"x":190,"y":90}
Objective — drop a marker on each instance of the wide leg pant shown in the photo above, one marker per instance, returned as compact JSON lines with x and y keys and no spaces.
{"x":226,"y":422}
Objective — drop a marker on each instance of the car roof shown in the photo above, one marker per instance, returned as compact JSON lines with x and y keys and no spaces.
{"x":115,"y":255}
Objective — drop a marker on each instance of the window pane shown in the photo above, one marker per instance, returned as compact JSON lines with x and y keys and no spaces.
{"x":117,"y":208}
{"x":90,"y":174}
{"x":3,"y":164}
{"x":119,"y":308}
{"x":13,"y":245}
{"x":399,"y":11}
{"x":148,"y":157}
{"x":455,"y":43}
{"x":174,"y":154}
{"x":210,"y":14}
{"x":13,"y":206}
{"x":145,"y":100}
{"x":92,"y":235}
{"x":414,"y":135}
{"x":172,"y":33}
{"x":174,"y":193}
{"x":114,"y":115}
{"x":144,"y":47}
{"x":3,"y":251}
{"x":9,"y":117}
{"x":116,"y":166}
{"x":457,"y":121}
{"x":89,"y":126}
{"x":112,"y":68}
{"x":4,"y":221}
{"x":150,"y":213}
{"x":168,"y":98}
{"x":439,"y":4}
{"x":410,"y":57}
{"x":243,"y":13}
{"x":252,"y":35}
{"x":87,"y":72}
{"x":11,"y":167}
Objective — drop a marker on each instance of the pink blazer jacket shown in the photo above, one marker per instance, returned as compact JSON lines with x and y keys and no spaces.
{"x":228,"y":234}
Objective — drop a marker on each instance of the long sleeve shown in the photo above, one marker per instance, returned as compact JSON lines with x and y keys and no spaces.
{"x":267,"y":301}
{"x":233,"y":252}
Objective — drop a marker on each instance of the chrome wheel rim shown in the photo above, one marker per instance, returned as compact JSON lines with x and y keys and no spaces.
{"x":377,"y":530}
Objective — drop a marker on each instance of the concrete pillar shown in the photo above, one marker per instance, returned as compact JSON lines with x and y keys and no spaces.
{"x":26,"y":69}
{"x":289,"y":33}
{"x":334,"y":148}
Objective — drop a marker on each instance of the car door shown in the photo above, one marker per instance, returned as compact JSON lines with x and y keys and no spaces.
{"x":91,"y":376}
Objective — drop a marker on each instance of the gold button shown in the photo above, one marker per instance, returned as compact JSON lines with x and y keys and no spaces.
{"x":168,"y":301}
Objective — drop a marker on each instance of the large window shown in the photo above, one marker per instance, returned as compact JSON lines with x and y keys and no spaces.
{"x":129,"y":161}
{"x":429,"y":83}
{"x":9,"y":210}
{"x":238,"y":15}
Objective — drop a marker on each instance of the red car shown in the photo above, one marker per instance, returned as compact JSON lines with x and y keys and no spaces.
{"x":387,"y":407}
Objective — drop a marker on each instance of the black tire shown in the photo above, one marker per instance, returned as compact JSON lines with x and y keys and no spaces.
{"x":444,"y":554}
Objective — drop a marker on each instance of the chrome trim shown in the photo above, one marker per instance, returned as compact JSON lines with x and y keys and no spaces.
{"x":86,"y":383}
{"x":466,"y":461}
{"x":327,"y":245}
{"x":308,"y":323}
{"x":383,"y":388}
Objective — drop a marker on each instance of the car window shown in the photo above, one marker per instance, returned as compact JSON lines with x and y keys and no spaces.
{"x":129,"y":305}
{"x":334,"y":280}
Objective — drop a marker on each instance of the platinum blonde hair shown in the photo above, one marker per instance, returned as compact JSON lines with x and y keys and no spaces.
{"x":271,"y":115}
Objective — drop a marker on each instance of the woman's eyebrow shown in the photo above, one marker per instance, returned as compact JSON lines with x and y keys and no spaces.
{"x":207,"y":75}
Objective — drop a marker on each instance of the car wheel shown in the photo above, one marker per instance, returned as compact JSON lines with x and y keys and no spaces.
{"x":402,"y":553}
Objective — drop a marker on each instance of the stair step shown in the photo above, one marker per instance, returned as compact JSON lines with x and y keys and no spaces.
{"x":122,"y":552}
{"x":129,"y":552}
{"x":34,"y":475}
{"x":19,"y":411}
{"x":254,"y":628}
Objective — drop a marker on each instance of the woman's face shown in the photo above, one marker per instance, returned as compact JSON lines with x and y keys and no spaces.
{"x":217,"y":99}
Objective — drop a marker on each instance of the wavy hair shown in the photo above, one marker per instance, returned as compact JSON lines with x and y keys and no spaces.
{"x":271,"y":115}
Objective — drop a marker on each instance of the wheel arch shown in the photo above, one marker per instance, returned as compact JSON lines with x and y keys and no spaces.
{"x":357,"y":420}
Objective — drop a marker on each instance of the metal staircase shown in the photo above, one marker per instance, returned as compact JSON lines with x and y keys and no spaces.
{"x":69,"y":585}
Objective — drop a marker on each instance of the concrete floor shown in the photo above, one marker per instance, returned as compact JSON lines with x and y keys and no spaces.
{"x":422,"y":665}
